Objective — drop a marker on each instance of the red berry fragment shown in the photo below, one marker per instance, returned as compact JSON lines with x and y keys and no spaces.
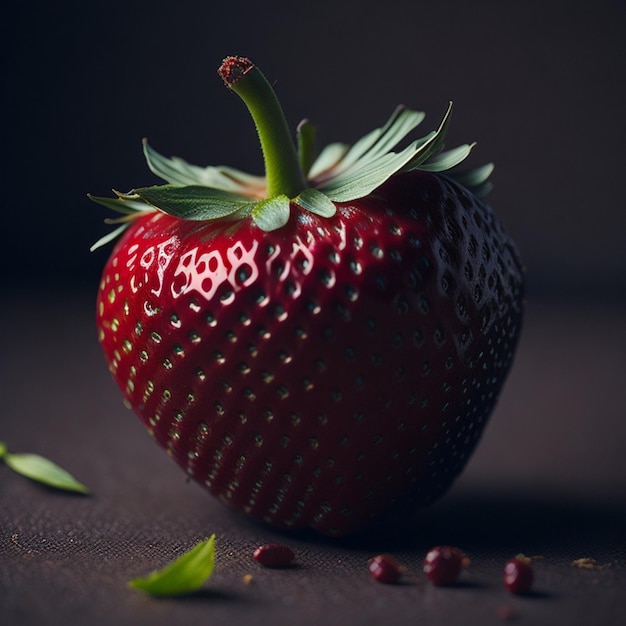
{"x":274,"y":555}
{"x":518,"y":574}
{"x":385,"y":569}
{"x":443,"y":565}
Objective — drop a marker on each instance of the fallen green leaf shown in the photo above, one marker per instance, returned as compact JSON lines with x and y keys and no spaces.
{"x":183,"y":576}
{"x":41,"y":470}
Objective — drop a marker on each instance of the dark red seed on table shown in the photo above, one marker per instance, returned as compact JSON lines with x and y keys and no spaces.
{"x":443,"y":565}
{"x":274,"y":555}
{"x":518,"y":574}
{"x":385,"y":569}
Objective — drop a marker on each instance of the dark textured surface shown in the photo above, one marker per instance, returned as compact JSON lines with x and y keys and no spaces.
{"x":548,"y":480}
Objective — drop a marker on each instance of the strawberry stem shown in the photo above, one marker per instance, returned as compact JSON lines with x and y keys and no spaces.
{"x":282,"y":166}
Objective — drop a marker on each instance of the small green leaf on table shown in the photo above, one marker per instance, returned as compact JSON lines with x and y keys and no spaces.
{"x":183,"y":576}
{"x":41,"y":470}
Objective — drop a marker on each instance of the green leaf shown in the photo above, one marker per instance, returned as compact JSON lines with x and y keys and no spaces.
{"x":43,"y":471}
{"x":306,"y":145}
{"x":476,"y":180}
{"x":121,"y":204}
{"x":354,"y":185}
{"x":433,"y":143}
{"x":380,"y":141}
{"x":184,"y":575}
{"x":110,"y":236}
{"x":327,"y":159}
{"x":129,"y":209}
{"x":178,"y":172}
{"x":271,"y":214}
{"x":192,"y":202}
{"x":447,"y":160}
{"x":475,"y":177}
{"x":482,"y":190}
{"x":3,"y":449}
{"x":316,"y":202}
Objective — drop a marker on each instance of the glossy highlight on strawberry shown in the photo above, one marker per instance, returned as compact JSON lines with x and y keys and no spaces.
{"x":313,"y":361}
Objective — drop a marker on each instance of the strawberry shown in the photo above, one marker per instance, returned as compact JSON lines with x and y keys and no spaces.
{"x":322,"y":346}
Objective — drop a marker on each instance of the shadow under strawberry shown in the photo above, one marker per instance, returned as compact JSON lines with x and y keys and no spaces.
{"x":499,"y":522}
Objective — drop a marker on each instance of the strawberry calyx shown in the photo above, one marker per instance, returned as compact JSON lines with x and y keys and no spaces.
{"x":293,"y":174}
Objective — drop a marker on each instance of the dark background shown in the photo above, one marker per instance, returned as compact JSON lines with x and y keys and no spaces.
{"x":539,"y":85}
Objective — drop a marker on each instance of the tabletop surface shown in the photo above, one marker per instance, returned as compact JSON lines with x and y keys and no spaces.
{"x":548,"y":480}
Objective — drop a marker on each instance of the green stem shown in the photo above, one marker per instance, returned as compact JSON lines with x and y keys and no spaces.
{"x":282,"y":167}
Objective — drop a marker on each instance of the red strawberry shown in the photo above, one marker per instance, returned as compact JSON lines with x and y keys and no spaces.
{"x":321,"y":347}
